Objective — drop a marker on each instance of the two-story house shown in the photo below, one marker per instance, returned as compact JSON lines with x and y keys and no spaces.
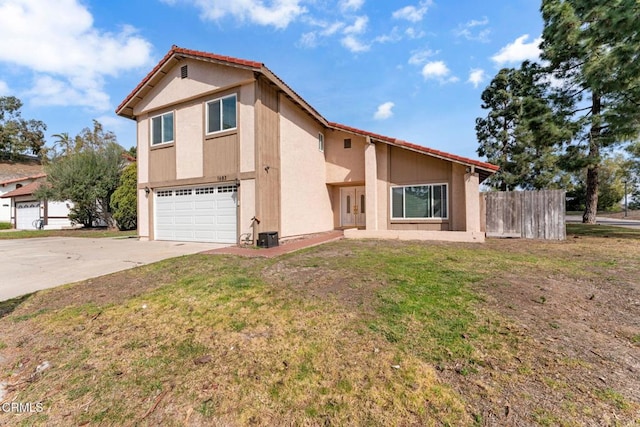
{"x":226,"y":150}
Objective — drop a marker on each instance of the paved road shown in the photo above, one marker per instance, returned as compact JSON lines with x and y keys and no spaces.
{"x":629,"y":223}
{"x":29,"y":265}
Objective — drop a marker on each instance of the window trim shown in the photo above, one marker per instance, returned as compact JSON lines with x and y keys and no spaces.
{"x":206,"y":114}
{"x":404,"y":199}
{"x":321,"y":142}
{"x":151,"y":134}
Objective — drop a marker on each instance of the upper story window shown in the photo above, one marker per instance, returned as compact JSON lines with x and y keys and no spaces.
{"x":162,"y":129}
{"x":419,"y":202}
{"x":321,"y":142}
{"x":221,"y":114}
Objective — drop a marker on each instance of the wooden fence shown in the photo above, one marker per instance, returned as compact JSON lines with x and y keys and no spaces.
{"x":525,"y":214}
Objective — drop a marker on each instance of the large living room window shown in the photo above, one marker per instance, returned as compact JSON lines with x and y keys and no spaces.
{"x":221,"y":114}
{"x":419,"y":202}
{"x":162,"y":129}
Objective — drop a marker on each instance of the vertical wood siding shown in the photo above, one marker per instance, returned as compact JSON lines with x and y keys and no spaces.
{"x":267,"y":157}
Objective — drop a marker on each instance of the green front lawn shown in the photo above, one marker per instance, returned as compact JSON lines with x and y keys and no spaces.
{"x":93,"y":232}
{"x":348,"y":333}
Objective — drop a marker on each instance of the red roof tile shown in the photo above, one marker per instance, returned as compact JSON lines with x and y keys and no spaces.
{"x":258,"y":66}
{"x":23,"y":191}
{"x":420,"y":148}
{"x":175,"y":50}
{"x":22,"y":178}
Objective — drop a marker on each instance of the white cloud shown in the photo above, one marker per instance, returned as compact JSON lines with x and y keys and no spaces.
{"x":392,"y":37}
{"x":58,"y":42}
{"x":438,"y":70}
{"x":518,"y":51}
{"x":412,"y":33}
{"x":467,"y":30}
{"x":354,"y":45}
{"x":384,"y":111}
{"x":4,"y":88}
{"x":359,"y":26}
{"x":332,"y":29}
{"x":420,"y":57}
{"x":308,"y":40}
{"x":476,"y":77}
{"x":350,"y":5}
{"x":276,"y":13}
{"x":413,"y":13}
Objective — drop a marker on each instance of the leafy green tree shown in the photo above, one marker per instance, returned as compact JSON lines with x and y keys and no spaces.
{"x":593,"y":50}
{"x":87,"y":173}
{"x":612,"y":175}
{"x":520,"y":130}
{"x":17,"y":135}
{"x":124,"y":201}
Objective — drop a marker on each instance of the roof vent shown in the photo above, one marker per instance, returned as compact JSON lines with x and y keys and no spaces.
{"x":184,"y":72}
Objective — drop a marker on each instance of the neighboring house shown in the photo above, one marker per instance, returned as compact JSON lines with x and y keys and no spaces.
{"x":26,"y":212}
{"x":227,"y":150}
{"x":9,"y":185}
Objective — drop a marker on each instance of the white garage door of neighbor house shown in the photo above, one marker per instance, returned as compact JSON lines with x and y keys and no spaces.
{"x":26,"y":215}
{"x":197,"y":214}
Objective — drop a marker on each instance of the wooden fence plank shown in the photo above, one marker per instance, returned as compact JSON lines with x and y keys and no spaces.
{"x":526,"y":214}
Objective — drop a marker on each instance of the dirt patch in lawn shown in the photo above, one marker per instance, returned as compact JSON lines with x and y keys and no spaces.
{"x":510,"y":332}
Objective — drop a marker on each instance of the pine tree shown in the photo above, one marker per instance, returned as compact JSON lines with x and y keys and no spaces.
{"x":593,"y":48}
{"x":520,"y":130}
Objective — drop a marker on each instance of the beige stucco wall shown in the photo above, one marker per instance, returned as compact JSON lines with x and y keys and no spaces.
{"x":305,"y":197}
{"x":189,"y":131}
{"x":247,"y":194}
{"x":246,"y":101}
{"x":143,"y":149}
{"x":204,"y":77}
{"x":143,"y":214}
{"x":344,"y":164}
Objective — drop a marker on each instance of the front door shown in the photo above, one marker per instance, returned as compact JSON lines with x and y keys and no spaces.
{"x":352,"y":207}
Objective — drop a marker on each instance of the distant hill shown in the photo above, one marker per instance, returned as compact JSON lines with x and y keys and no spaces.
{"x":19,"y":168}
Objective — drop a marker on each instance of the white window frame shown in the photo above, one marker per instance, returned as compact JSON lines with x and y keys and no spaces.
{"x":321,"y":142}
{"x":173,"y":124}
{"x":206,"y":113}
{"x":404,"y":200}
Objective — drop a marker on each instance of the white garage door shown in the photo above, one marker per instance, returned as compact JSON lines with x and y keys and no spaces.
{"x":26,"y":215}
{"x":196,"y":214}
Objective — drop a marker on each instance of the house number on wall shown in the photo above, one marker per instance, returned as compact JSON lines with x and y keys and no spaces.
{"x":222,"y":177}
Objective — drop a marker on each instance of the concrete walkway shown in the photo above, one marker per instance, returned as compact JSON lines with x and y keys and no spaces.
{"x":29,"y":265}
{"x":617,"y":222}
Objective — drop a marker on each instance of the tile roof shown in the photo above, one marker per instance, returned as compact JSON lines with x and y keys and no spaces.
{"x":261,"y":68}
{"x":23,"y":191}
{"x":22,"y":178}
{"x":415,"y":147}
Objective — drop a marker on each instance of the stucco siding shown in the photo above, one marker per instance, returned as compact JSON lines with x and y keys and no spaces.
{"x":247,"y":194}
{"x":203,"y":77}
{"x":344,"y":164}
{"x":246,"y":101}
{"x":189,"y":132}
{"x":143,"y":149}
{"x":306,"y":199}
{"x":144,"y":213}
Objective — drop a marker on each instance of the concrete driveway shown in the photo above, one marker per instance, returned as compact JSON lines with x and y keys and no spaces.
{"x":30,"y":265}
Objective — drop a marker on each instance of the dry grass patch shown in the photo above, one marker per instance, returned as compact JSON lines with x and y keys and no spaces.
{"x":360,"y":333}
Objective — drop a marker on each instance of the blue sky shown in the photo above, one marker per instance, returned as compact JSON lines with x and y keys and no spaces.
{"x":411,"y":69}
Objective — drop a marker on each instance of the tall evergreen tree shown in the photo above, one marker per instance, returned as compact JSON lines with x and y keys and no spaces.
{"x":520,"y":129}
{"x":593,"y":48}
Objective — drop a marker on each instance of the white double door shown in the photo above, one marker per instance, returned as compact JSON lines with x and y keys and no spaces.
{"x":352,"y":207}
